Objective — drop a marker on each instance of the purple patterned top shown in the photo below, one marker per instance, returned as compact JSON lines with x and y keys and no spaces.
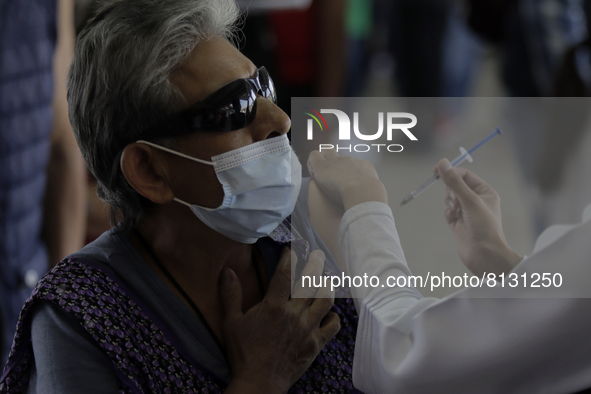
{"x":147,"y":358}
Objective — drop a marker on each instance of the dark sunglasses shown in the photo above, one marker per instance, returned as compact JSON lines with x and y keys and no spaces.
{"x":231,"y":107}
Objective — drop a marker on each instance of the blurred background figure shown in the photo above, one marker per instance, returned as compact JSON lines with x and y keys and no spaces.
{"x":516,"y":48}
{"x":545,"y":54}
{"x":42,"y":182}
{"x":427,"y":50}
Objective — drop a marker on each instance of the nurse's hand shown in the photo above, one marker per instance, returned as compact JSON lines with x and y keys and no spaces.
{"x":474,"y":214}
{"x":272,"y":344}
{"x":347,"y":181}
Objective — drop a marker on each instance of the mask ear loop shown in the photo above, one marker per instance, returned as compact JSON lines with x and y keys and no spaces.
{"x":181,"y":155}
{"x":175,"y":152}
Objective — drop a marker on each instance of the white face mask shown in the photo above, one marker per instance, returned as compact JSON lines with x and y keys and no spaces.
{"x":261,"y":183}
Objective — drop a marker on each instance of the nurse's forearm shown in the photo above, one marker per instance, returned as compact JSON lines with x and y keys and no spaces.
{"x":370,"y":246}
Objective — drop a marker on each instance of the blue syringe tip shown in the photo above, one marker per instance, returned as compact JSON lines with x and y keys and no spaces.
{"x":486,"y":139}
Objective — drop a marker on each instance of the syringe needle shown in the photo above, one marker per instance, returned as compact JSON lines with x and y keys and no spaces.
{"x":415,"y":193}
{"x":406,"y":200}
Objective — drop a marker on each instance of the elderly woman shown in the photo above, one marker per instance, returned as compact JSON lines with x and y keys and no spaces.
{"x":191,"y":291}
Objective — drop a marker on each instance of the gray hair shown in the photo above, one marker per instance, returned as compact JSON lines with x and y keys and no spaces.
{"x":118,"y":84}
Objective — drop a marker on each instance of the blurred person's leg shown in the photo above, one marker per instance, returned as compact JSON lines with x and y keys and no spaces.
{"x":259,"y":41}
{"x":517,"y":59}
{"x":310,"y":55}
{"x":359,"y":23}
{"x":462,"y":55}
{"x":417,"y":36}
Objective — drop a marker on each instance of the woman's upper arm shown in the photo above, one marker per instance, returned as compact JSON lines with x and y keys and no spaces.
{"x":66,"y":357}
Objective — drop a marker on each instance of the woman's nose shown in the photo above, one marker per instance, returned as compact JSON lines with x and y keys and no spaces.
{"x":270,"y":120}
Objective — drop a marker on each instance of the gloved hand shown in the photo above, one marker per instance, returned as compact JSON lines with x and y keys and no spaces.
{"x":474,"y":214}
{"x":346,"y":180}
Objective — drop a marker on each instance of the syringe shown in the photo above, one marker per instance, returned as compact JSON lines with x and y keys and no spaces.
{"x":464,"y":155}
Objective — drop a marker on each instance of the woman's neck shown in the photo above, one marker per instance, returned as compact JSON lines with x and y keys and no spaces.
{"x":194,"y":254}
{"x":178,"y":237}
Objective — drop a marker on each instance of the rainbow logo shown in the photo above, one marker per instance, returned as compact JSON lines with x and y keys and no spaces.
{"x":316,"y":119}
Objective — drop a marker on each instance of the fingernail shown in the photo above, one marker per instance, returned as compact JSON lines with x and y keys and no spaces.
{"x":226,"y":277}
{"x":445,"y":165}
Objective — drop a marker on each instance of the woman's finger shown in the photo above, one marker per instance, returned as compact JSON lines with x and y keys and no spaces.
{"x":304,"y":289}
{"x":280,"y":285}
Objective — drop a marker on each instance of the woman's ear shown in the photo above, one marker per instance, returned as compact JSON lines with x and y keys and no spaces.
{"x":146,"y":172}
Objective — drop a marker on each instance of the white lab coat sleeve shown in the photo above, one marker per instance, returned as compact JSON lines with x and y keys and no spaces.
{"x":473,"y":341}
